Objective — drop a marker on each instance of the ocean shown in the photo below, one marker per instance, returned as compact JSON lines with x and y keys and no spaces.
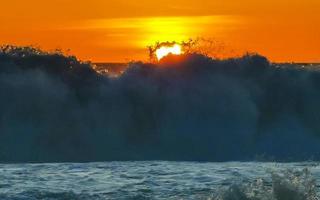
{"x":57,"y":109}
{"x":161,"y":180}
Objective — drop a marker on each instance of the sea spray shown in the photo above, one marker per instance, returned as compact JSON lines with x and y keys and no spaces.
{"x":190,"y":107}
{"x":285,"y":185}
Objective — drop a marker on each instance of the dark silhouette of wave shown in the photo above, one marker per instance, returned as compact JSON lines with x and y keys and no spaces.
{"x":54,"y":108}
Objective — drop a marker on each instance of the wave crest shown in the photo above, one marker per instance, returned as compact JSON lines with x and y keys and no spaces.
{"x":188,"y":107}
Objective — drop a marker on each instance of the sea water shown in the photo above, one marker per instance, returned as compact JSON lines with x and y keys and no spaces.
{"x":161,"y":180}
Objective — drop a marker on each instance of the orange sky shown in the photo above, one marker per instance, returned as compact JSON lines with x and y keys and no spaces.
{"x":119,"y":30}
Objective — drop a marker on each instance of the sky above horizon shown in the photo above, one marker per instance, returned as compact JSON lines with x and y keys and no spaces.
{"x":120,"y":30}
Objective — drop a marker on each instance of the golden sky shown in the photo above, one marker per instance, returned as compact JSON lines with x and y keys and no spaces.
{"x":119,"y":30}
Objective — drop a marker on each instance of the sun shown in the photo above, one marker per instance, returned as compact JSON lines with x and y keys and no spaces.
{"x":163,"y":51}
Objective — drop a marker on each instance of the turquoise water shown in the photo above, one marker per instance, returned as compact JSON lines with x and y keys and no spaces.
{"x":160,"y":180}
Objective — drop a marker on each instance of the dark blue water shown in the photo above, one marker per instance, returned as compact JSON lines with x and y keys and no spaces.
{"x":55,"y":108}
{"x":160,"y":180}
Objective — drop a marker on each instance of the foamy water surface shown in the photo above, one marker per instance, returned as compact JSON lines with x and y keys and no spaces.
{"x":160,"y":180}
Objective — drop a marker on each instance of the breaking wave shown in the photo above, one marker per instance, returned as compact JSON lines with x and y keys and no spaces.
{"x":285,"y":185}
{"x":188,"y":107}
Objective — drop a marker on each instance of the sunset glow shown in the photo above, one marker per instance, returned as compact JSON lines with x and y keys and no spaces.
{"x":166,"y":50}
{"x":120,"y":30}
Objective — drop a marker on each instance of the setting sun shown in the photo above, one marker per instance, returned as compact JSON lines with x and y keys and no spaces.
{"x":166,"y":50}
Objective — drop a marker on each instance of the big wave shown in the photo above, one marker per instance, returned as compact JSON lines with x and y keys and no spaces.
{"x":54,"y":108}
